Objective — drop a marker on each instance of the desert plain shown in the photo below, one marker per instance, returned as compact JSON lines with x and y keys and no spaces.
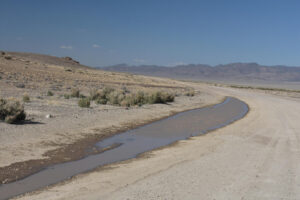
{"x":256,"y":157}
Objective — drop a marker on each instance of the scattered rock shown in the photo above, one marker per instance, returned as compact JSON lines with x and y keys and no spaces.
{"x":5,"y":181}
{"x":49,"y":116}
{"x":2,"y":53}
{"x":68,"y":58}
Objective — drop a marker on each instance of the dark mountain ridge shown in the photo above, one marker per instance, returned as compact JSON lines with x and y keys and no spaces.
{"x":232,"y":71}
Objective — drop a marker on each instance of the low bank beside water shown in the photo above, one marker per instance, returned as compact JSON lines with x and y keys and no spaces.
{"x":135,"y":142}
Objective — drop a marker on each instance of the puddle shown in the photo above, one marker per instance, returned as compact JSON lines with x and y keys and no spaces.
{"x":134,"y":142}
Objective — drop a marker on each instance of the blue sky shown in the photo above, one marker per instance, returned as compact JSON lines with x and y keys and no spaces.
{"x":162,"y":32}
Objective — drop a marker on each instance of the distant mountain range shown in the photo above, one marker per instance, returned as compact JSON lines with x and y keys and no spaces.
{"x":231,"y":72}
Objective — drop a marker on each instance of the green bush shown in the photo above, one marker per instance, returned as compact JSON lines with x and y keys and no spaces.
{"x":26,"y":98}
{"x":75,"y":93}
{"x":50,"y":93}
{"x":11,"y":111}
{"x":84,"y":102}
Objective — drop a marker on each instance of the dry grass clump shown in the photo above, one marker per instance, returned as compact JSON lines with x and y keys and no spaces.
{"x":84,"y":102}
{"x":11,"y":111}
{"x":50,"y":93}
{"x":26,"y":98}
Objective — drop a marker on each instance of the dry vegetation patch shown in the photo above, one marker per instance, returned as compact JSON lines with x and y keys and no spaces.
{"x":11,"y":111}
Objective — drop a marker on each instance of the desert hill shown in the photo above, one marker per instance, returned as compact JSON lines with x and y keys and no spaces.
{"x":39,"y":73}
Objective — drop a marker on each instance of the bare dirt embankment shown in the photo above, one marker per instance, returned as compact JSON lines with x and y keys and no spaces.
{"x":257,"y":157}
{"x":65,"y":136}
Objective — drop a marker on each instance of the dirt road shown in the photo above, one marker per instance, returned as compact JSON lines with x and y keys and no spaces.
{"x":257,"y":157}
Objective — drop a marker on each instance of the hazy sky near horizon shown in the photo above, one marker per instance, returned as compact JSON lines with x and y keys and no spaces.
{"x":162,"y":32}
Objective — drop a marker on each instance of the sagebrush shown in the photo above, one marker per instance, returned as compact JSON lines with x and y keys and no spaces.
{"x":11,"y":111}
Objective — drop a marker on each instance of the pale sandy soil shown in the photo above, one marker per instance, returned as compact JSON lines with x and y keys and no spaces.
{"x":257,"y":157}
{"x":71,"y":123}
{"x":42,"y":141}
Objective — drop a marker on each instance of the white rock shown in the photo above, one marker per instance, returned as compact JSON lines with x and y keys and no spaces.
{"x":48,"y":116}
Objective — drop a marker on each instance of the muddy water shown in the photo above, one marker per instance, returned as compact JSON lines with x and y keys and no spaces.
{"x":134,"y":142}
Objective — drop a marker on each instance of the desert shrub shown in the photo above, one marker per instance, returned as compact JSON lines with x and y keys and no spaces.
{"x":66,"y":96}
{"x":107,"y":90}
{"x":160,"y":97}
{"x":115,"y":98}
{"x":125,"y":103}
{"x":75,"y":93}
{"x":94,"y":94}
{"x":125,"y":90}
{"x":26,"y":98}
{"x":167,"y":97}
{"x":105,"y":96}
{"x":138,"y":98}
{"x":50,"y":93}
{"x":101,"y":101}
{"x":125,"y":99}
{"x":153,"y":98}
{"x":190,"y":93}
{"x":11,"y":111}
{"x":84,"y":102}
{"x":82,"y":96}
